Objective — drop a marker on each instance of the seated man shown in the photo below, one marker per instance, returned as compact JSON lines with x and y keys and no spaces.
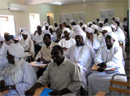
{"x":108,"y":56}
{"x":45,"y":53}
{"x":82,"y":54}
{"x":18,"y":76}
{"x":28,"y":45}
{"x":67,"y":42}
{"x":62,"y":74}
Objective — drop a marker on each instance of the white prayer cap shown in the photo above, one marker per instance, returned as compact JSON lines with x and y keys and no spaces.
{"x":117,"y":19}
{"x":25,"y":32}
{"x":80,"y":22}
{"x":84,"y":26}
{"x":66,"y":29}
{"x":101,"y":22}
{"x":89,"y":23}
{"x":81,"y":33}
{"x":102,"y":19}
{"x":51,"y":27}
{"x":90,"y":30}
{"x":107,"y":28}
{"x":76,"y":27}
{"x":23,"y":29}
{"x":113,"y":26}
{"x":72,"y":21}
{"x":16,"y":50}
{"x":95,"y":27}
{"x":113,"y":35}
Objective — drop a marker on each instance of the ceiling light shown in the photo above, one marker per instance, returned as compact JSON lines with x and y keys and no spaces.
{"x":57,"y":3}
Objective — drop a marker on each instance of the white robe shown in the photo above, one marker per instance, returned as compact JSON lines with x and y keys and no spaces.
{"x":28,"y":45}
{"x":100,"y":81}
{"x":22,"y":75}
{"x":83,"y":56}
{"x":39,"y":39}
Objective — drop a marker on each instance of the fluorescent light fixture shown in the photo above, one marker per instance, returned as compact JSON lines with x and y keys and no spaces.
{"x":57,"y":3}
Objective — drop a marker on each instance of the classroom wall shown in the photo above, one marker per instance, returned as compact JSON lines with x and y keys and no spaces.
{"x":92,"y":9}
{"x":22,"y":18}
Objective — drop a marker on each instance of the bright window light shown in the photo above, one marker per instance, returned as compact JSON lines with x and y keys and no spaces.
{"x":57,"y":3}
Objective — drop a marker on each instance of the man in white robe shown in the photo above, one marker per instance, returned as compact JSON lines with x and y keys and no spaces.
{"x":19,"y":75}
{"x":67,"y":42}
{"x":82,"y":54}
{"x":27,"y":44}
{"x":109,"y":56}
{"x":52,"y":33}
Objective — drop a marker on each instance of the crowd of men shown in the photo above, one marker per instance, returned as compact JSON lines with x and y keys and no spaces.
{"x":70,"y":51}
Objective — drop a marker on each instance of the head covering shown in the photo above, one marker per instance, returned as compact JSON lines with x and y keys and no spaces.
{"x":81,"y":33}
{"x":101,"y":22}
{"x":72,"y":21}
{"x":95,"y":27}
{"x":117,"y":19}
{"x":113,"y":26}
{"x":16,"y":50}
{"x":23,"y":29}
{"x":66,"y":29}
{"x":51,"y":27}
{"x":25,"y":32}
{"x":80,"y":22}
{"x":89,"y":23}
{"x":113,"y":35}
{"x":107,"y":28}
{"x":90,"y":30}
{"x":84,"y":26}
{"x":76,"y":27}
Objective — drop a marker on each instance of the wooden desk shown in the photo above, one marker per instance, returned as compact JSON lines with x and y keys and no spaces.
{"x":95,"y":67}
{"x":3,"y":93}
{"x":40,"y":66}
{"x":38,"y":91}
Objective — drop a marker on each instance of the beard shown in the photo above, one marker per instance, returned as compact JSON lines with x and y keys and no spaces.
{"x":79,"y":43}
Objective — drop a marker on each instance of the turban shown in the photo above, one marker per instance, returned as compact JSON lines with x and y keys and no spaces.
{"x":25,"y":32}
{"x":90,"y":30}
{"x":81,"y":33}
{"x":95,"y":27}
{"x":113,"y":35}
{"x":89,"y":23}
{"x":16,"y":50}
{"x":113,"y":26}
{"x":72,"y":21}
{"x":117,"y":19}
{"x":101,"y":22}
{"x":66,"y":29}
{"x":107,"y":28}
{"x":85,"y":26}
{"x":76,"y":27}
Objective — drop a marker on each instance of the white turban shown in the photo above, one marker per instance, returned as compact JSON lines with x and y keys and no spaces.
{"x":51,"y":27}
{"x":80,"y":22}
{"x":101,"y":22}
{"x":117,"y":19}
{"x":72,"y":21}
{"x":76,"y":27}
{"x":81,"y":33}
{"x":90,"y":30}
{"x":113,"y":35}
{"x":113,"y":26}
{"x":107,"y":28}
{"x":89,"y":23}
{"x":16,"y":50}
{"x":66,"y":29}
{"x":25,"y":32}
{"x":95,"y":27}
{"x":84,"y":26}
{"x":23,"y":28}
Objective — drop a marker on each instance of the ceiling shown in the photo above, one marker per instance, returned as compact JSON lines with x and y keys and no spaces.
{"x":63,"y":1}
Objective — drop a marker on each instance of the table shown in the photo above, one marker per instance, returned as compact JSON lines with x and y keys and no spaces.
{"x":95,"y":67}
{"x":40,"y":65}
{"x":4,"y":92}
{"x":38,"y":91}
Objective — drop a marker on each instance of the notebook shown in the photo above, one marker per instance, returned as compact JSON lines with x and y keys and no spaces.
{"x":46,"y":92}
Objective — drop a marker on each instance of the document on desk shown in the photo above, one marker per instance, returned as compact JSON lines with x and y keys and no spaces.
{"x":46,"y":92}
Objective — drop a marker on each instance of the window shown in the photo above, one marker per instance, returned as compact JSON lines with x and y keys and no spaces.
{"x":34,"y":21}
{"x":7,"y":24}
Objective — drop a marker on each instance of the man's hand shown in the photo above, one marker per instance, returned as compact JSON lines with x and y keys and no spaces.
{"x":102,"y":67}
{"x":55,"y":92}
{"x":64,"y":48}
{"x":30,"y":92}
{"x":39,"y":59}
